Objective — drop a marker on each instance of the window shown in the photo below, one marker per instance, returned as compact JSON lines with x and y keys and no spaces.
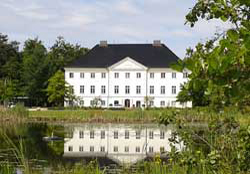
{"x":127,"y":90}
{"x":91,"y":149}
{"x":163,"y":75}
{"x":126,"y":149}
{"x":138,"y":134}
{"x":137,"y":149}
{"x":81,"y":75}
{"x":70,"y":148}
{"x":116,"y":89}
{"x":92,"y":89}
{"x":81,"y":89}
{"x":152,"y":75}
{"x":173,"y":103}
{"x":103,"y":75}
{"x":173,"y":89}
{"x":151,"y":135}
{"x":103,"y":103}
{"x":81,"y":134}
{"x":151,"y":103}
{"x":92,"y":102}
{"x":116,"y":75}
{"x":151,"y":90}
{"x":162,"y":149}
{"x":162,"y":103}
{"x":173,"y":75}
{"x":115,"y":134}
{"x":71,"y":75}
{"x":103,"y":89}
{"x":92,"y":134}
{"x":162,"y":135}
{"x":127,"y":75}
{"x":185,"y":75}
{"x":138,"y":75}
{"x":81,"y":102}
{"x":115,"y":148}
{"x":80,"y":148}
{"x":92,"y":75}
{"x":138,"y":89}
{"x":162,"y":89}
{"x":151,"y":149}
{"x":126,"y":134}
{"x":116,"y":102}
{"x":103,"y":134}
{"x":71,"y":89}
{"x":102,"y":149}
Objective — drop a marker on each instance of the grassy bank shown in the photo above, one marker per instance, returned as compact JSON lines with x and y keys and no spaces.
{"x":139,"y":116}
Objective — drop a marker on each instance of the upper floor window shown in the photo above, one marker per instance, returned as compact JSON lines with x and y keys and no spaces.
{"x":173,"y":89}
{"x":71,"y":89}
{"x":102,"y":134}
{"x":138,"y":75}
{"x":126,"y":134}
{"x":116,"y":90}
{"x":81,"y":134}
{"x":152,"y":75}
{"x":103,"y":89}
{"x":92,"y":89}
{"x":138,"y":89}
{"x":127,"y":90}
{"x":163,"y":90}
{"x":115,"y":134}
{"x":162,"y":135}
{"x":81,"y":75}
{"x":151,"y":134}
{"x":127,"y":75}
{"x":81,"y":89}
{"x":151,"y":90}
{"x":163,"y":75}
{"x":116,"y":75}
{"x":185,"y":75}
{"x":92,"y":134}
{"x":173,"y":75}
{"x":92,"y":75}
{"x":71,"y":75}
{"x":103,"y":75}
{"x":138,"y":134}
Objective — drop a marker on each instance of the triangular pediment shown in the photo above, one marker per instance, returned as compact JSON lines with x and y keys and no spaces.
{"x":127,"y":64}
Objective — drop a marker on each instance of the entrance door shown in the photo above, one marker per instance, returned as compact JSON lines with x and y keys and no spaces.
{"x":138,"y":104}
{"x":127,"y":103}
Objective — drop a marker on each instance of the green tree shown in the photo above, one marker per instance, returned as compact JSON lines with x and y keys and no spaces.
{"x":220,"y":73}
{"x":35,"y":71}
{"x":56,"y":89}
{"x":62,"y":53}
{"x":8,"y":91}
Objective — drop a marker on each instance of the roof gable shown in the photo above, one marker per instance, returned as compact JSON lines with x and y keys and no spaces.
{"x":146,"y":54}
{"x":127,"y":64}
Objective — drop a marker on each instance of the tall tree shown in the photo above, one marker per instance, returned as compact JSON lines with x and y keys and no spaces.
{"x":220,"y":73}
{"x":63,"y":53}
{"x":35,"y":71}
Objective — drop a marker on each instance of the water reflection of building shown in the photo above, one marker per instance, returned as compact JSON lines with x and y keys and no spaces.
{"x":123,"y":144}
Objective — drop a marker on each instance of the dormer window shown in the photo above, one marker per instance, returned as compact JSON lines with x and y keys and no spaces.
{"x":116,"y":75}
{"x":185,"y":75}
{"x":163,"y":75}
{"x":71,"y":75}
{"x":173,"y":75}
{"x":92,"y":75}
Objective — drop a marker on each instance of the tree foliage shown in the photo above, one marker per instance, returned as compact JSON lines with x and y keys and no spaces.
{"x":220,"y":68}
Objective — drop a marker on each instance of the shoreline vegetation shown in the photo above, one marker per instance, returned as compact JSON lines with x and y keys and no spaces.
{"x":78,"y":115}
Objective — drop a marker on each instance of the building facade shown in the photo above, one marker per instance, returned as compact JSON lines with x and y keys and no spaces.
{"x":126,"y":75}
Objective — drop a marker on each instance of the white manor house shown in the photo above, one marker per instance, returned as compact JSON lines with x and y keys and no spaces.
{"x":126,"y":75}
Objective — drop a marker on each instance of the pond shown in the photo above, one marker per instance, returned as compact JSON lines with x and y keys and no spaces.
{"x":52,"y":145}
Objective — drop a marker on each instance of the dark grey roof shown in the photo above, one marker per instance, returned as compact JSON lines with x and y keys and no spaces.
{"x":146,"y":54}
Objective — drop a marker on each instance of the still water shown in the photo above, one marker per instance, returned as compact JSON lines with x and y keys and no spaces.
{"x":109,"y":144}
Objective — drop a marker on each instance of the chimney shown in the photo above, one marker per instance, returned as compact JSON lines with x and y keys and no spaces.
{"x":103,"y":43}
{"x":157,"y":43}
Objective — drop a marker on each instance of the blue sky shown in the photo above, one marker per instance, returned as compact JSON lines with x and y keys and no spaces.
{"x":86,"y":22}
